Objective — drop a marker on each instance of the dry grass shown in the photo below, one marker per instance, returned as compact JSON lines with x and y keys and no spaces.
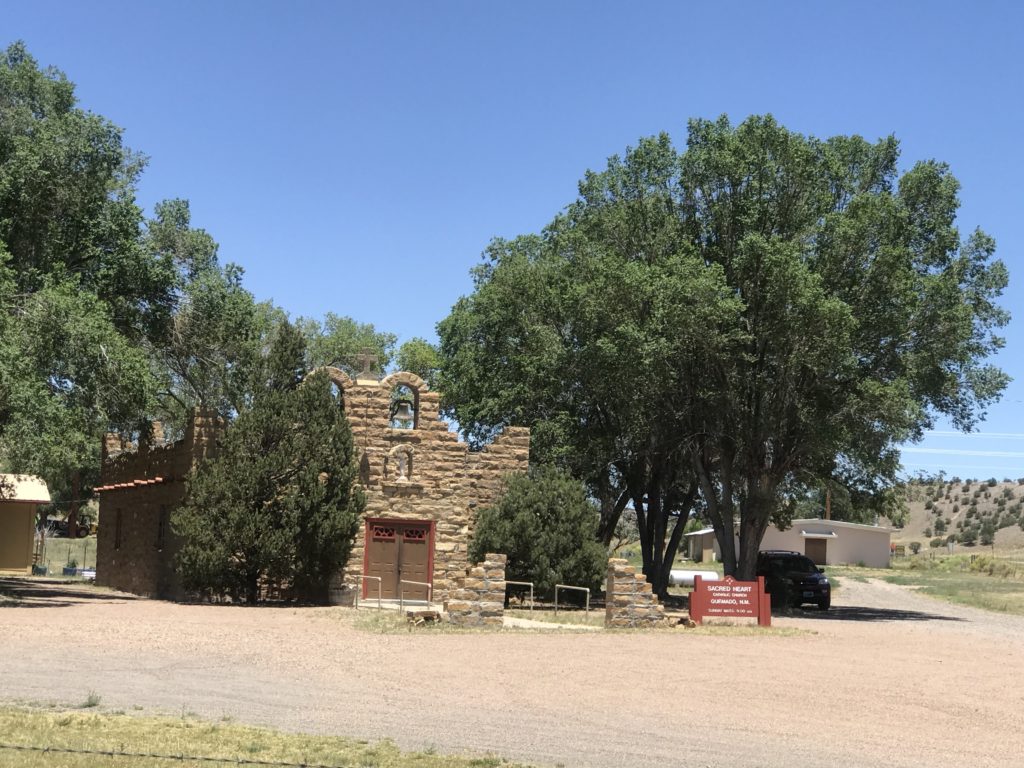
{"x":991,"y":583}
{"x":593,"y":619}
{"x":188,"y":735}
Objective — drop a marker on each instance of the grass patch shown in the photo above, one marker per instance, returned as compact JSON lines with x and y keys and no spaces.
{"x":190,"y":736}
{"x":979,"y":581}
{"x":387,"y":622}
{"x":726,"y":629}
{"x":594,"y":619}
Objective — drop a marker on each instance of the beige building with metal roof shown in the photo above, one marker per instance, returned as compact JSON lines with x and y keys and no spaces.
{"x":826,"y":542}
{"x":19,"y":497}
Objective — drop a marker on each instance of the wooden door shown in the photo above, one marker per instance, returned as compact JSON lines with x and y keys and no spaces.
{"x":414,"y":560}
{"x":398,"y":550}
{"x":816,"y":550}
{"x":381,"y":560}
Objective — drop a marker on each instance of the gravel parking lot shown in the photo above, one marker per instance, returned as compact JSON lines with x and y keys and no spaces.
{"x":887,"y":678}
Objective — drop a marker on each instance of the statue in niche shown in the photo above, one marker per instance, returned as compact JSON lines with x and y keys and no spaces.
{"x":402,"y":463}
{"x":402,"y":457}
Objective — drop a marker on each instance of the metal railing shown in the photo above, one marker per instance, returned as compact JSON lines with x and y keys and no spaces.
{"x":360,"y":590}
{"x":578,"y":589}
{"x":524,"y":584}
{"x":401,"y":592}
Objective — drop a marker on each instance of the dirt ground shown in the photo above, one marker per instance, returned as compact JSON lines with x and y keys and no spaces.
{"x":887,"y":678}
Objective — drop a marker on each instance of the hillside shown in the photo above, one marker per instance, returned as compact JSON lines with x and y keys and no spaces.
{"x":976,"y":513}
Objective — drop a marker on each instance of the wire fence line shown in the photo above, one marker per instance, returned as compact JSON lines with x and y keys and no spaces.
{"x":153,"y":756}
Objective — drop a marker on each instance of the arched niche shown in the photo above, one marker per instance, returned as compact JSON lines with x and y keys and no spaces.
{"x":404,"y":386}
{"x":338,"y":378}
{"x":398,"y":464}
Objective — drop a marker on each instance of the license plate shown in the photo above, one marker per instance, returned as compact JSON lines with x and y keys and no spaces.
{"x":808,"y":594}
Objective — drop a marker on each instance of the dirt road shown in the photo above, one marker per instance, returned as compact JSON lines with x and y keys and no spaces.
{"x":887,"y":678}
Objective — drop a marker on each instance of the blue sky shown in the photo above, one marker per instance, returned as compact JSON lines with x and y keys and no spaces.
{"x":357,"y":157}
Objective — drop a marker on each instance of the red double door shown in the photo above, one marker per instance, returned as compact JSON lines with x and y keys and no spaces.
{"x":398,"y":551}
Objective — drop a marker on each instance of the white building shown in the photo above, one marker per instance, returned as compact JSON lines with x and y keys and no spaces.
{"x":826,"y":542}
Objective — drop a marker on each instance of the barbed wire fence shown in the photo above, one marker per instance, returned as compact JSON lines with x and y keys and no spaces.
{"x":181,"y":758}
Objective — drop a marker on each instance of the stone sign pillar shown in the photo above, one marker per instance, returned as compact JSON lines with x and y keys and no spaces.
{"x":629,"y":600}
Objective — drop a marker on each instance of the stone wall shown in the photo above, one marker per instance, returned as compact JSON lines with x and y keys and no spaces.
{"x":629,"y":600}
{"x":478,"y":598}
{"x":425,"y":473}
{"x":140,"y":486}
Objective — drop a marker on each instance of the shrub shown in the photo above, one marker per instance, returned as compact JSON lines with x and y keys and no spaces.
{"x":940,"y":527}
{"x":546,"y":526}
{"x":992,"y":482}
{"x":915,"y":547}
{"x":936,"y":542}
{"x":927,"y":531}
{"x":929,"y":504}
{"x":993,"y":566}
{"x":988,"y":533}
{"x":956,"y":508}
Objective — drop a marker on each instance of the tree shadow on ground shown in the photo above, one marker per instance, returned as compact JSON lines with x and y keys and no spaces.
{"x":862,"y":613}
{"x":51,"y":593}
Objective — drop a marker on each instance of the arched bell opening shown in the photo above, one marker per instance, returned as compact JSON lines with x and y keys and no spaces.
{"x":404,"y":412}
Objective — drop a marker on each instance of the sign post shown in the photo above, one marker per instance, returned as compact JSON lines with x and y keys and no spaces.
{"x":730,"y":599}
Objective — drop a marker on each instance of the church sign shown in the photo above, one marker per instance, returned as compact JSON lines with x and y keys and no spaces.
{"x":729,"y":599}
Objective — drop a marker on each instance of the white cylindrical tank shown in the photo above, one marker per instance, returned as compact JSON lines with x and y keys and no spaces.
{"x":685,"y":578}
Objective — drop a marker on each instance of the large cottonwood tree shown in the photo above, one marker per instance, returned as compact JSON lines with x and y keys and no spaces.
{"x":712,"y":330}
{"x":79,"y":291}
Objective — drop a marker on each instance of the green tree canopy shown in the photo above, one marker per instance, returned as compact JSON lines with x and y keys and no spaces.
{"x":78,"y":291}
{"x":717,"y":328}
{"x":277,"y":504}
{"x":339,"y":341}
{"x":421,"y":357}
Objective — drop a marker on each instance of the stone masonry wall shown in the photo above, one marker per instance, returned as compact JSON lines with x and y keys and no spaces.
{"x":478,"y":598}
{"x":629,"y":600}
{"x":425,"y":473}
{"x":139,"y":489}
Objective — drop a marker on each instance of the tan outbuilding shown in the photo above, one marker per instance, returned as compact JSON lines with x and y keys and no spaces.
{"x":826,"y":542}
{"x":19,"y":497}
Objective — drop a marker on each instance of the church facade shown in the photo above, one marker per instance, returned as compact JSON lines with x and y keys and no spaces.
{"x":423,"y":487}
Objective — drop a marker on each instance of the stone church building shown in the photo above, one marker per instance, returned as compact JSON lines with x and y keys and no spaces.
{"x":423,"y":487}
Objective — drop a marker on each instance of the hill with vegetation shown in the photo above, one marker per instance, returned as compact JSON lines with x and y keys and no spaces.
{"x":967,"y":513}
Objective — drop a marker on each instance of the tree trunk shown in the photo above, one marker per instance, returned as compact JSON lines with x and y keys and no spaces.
{"x":252,"y":588}
{"x":653,"y":522}
{"x":611,"y":512}
{"x":754,"y":517}
{"x":72,"y":519}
